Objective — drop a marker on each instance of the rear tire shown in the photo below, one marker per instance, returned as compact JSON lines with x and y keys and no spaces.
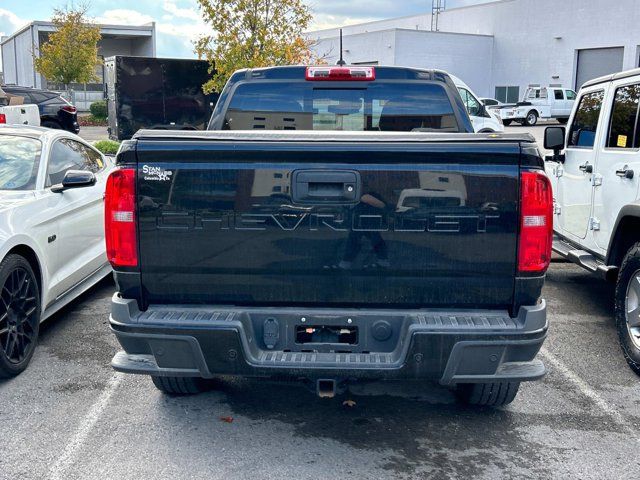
{"x":495,"y":394}
{"x":628,"y":307}
{"x":19,"y":315}
{"x":506,"y":123}
{"x":531,"y":119}
{"x":181,"y":385}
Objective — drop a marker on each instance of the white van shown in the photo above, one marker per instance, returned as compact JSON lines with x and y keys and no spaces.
{"x":484,"y":120}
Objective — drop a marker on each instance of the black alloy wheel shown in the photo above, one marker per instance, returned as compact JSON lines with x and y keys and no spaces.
{"x":19,"y":315}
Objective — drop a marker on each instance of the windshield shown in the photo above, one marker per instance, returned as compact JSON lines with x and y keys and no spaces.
{"x":19,"y":161}
{"x":380,"y":106}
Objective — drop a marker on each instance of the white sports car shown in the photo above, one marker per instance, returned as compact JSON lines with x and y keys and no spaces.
{"x":51,"y":232}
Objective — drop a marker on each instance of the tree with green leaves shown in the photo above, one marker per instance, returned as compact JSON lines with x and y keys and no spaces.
{"x":252,"y":34}
{"x":70,"y":55}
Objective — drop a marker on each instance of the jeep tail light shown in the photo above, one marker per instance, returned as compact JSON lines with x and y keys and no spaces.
{"x":341,"y":74}
{"x":3,"y":118}
{"x":120,"y":218}
{"x":536,"y":222}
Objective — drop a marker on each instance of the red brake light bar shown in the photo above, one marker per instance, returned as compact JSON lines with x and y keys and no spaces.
{"x":341,"y":74}
{"x":3,"y":118}
{"x":69,"y":108}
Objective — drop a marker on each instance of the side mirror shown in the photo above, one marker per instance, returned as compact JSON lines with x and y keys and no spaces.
{"x":75,"y":179}
{"x":554,"y":140}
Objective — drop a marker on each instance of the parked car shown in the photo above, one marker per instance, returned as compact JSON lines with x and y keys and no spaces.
{"x":597,"y":199}
{"x":51,"y":232}
{"x":55,"y":111}
{"x":14,"y":112}
{"x":484,"y":120}
{"x":331,"y":256}
{"x":540,"y":103}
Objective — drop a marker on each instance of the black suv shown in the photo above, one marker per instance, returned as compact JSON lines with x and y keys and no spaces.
{"x":55,"y":111}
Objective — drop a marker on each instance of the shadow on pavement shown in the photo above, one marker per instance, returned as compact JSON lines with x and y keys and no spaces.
{"x":421,"y":426}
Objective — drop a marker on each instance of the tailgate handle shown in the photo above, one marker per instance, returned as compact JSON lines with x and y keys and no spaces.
{"x":326,"y":186}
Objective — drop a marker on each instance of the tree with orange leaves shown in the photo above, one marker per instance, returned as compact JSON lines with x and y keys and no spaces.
{"x":252,"y":34}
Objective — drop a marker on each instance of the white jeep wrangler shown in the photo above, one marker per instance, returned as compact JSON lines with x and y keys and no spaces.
{"x":596,"y":191}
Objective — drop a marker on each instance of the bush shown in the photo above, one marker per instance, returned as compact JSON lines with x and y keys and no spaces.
{"x":108,"y":147}
{"x":99,"y":109}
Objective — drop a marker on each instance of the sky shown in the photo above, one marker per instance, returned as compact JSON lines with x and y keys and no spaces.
{"x":178,"y":22}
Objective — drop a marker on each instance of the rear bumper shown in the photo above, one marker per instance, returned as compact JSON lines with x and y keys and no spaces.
{"x":448,"y":347}
{"x":69,"y":122}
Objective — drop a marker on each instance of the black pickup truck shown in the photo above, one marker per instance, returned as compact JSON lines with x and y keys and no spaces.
{"x":402,"y":247}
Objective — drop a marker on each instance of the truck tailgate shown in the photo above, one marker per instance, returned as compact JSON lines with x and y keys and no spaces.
{"x":408,"y":221}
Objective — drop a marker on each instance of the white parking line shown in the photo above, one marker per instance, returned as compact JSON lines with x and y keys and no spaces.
{"x":57,"y":471}
{"x":589,"y":392}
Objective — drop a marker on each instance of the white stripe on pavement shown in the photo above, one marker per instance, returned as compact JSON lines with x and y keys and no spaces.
{"x":589,"y":392}
{"x":57,"y":471}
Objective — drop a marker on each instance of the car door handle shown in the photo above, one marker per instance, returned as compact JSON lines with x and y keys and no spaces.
{"x":586,"y":168}
{"x":625,"y":172}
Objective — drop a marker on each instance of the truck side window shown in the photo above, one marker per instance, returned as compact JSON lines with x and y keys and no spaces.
{"x":558,"y":94}
{"x":624,"y":117}
{"x":571,"y":95}
{"x":585,"y":123}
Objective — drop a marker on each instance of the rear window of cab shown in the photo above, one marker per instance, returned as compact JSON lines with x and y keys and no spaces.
{"x":379,"y":106}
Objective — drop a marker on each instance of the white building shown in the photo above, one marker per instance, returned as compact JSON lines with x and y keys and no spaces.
{"x":18,"y":49}
{"x":500,"y":48}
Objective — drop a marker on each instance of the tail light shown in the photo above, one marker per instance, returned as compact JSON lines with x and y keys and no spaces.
{"x":536,"y":222}
{"x":3,"y":118}
{"x":69,"y":108}
{"x":341,"y":74}
{"x":120,"y":218}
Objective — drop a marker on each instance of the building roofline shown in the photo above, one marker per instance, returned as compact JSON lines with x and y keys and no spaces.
{"x":103,"y":26}
{"x":415,"y":15}
{"x":18,"y":32}
{"x":410,"y":30}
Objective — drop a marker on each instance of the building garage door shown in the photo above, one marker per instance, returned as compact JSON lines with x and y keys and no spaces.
{"x":594,"y":63}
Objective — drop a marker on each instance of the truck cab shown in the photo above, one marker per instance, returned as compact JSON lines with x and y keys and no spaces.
{"x":595,"y":172}
{"x":553,"y":102}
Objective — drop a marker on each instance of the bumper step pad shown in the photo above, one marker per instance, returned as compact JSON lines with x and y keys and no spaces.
{"x":450,"y":347}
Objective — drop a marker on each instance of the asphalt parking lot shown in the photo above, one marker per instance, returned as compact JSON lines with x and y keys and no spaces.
{"x":70,"y":416}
